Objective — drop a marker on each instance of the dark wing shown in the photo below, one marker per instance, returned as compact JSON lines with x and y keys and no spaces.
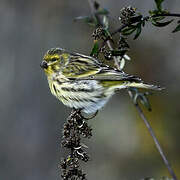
{"x":113,"y":75}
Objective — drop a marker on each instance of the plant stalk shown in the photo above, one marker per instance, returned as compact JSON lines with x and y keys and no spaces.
{"x":158,"y":146}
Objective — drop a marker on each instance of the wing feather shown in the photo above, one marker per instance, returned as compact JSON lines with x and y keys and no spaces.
{"x":81,"y":66}
{"x":88,"y":68}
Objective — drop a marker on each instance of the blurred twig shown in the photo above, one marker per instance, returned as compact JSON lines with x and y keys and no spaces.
{"x":158,"y":146}
{"x":166,"y":162}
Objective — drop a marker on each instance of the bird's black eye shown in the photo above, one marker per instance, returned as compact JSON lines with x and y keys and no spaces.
{"x":53,"y":59}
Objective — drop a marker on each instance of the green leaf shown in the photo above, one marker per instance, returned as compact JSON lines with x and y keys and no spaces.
{"x":145,"y":101}
{"x":161,"y":24}
{"x":158,"y":4}
{"x":176,"y":29}
{"x":160,"y":18}
{"x":154,"y":12}
{"x":95,"y":49}
{"x":138,"y":31}
{"x":107,"y":34}
{"x":87,"y":19}
{"x":102,"y":12}
{"x":157,"y":12}
{"x":135,"y":99}
{"x":129,"y":30}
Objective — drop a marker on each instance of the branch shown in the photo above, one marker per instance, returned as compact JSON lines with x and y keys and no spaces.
{"x":141,"y":114}
{"x":137,"y":19}
{"x":167,"y":15}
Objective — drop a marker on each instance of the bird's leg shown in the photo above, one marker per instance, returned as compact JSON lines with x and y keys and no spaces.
{"x":91,"y":117}
{"x":78,"y":112}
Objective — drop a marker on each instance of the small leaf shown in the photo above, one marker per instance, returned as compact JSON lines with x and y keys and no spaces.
{"x":87,"y":19}
{"x":102,"y":11}
{"x":126,"y":57}
{"x":135,"y":99}
{"x":107,"y":34}
{"x":129,"y":30}
{"x":158,"y":4}
{"x":157,"y":12}
{"x":95,"y":49}
{"x":161,"y":24}
{"x":176,"y":29}
{"x":154,"y":12}
{"x":122,"y":63}
{"x":145,"y":101}
{"x":105,"y":22}
{"x":160,"y":18}
{"x":138,"y":31}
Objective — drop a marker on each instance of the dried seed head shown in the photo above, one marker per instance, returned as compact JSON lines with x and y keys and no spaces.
{"x":122,"y":44}
{"x":98,"y":33}
{"x":126,"y":13}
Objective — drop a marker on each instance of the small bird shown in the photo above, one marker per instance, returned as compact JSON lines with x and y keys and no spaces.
{"x":82,"y":82}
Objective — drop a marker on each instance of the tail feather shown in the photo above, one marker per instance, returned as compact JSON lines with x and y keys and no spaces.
{"x":132,"y":78}
{"x":144,"y":86}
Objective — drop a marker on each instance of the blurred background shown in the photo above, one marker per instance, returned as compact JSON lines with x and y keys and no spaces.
{"x":31,"y":119}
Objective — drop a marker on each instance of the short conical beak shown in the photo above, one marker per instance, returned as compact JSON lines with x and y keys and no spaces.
{"x":44,"y":65}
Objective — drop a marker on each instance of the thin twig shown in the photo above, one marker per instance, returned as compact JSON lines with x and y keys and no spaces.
{"x":91,"y":4}
{"x":166,"y":162}
{"x":167,"y":15}
{"x":116,"y":61}
{"x":145,"y":18}
{"x":119,"y":29}
{"x":157,"y":144}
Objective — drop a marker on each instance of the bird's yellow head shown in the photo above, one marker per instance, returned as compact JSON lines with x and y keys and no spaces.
{"x":54,"y":60}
